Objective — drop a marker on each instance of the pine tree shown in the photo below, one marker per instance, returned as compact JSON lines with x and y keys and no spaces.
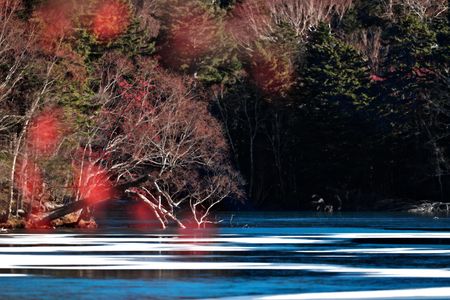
{"x":413,"y":100}
{"x":331,"y":126}
{"x":334,"y":74}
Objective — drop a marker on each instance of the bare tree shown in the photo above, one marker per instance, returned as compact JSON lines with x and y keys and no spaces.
{"x":425,"y":8}
{"x":262,"y":18}
{"x":368,"y":42}
{"x":15,"y":41}
{"x":301,"y":15}
{"x":153,"y":125}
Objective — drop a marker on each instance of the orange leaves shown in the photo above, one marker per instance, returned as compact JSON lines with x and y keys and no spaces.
{"x":111,"y":19}
{"x":92,"y":183}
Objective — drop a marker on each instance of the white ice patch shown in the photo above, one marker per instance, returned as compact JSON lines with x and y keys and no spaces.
{"x":14,"y":275}
{"x":67,"y":239}
{"x":380,"y":251}
{"x":426,"y":293}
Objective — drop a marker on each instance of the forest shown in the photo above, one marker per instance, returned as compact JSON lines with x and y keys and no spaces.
{"x":195,"y":106}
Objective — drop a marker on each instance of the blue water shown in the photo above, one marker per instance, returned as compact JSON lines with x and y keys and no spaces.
{"x":252,"y":255}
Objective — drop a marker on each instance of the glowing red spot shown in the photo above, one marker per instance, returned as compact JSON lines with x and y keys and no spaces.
{"x":249,"y":20}
{"x":55,"y":22}
{"x":143,"y":216}
{"x":190,"y":37}
{"x":45,"y":132}
{"x":375,"y":78}
{"x":29,"y":180}
{"x":92,"y":184}
{"x":112,"y":18}
{"x":41,"y":227}
{"x":196,"y":234}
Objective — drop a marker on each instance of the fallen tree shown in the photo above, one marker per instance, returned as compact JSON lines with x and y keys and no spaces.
{"x":149,"y":123}
{"x":82,"y":204}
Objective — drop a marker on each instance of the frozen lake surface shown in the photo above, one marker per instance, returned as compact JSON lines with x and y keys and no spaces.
{"x":247,"y":256}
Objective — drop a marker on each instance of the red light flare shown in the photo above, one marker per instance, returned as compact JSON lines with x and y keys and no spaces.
{"x":143,"y":215}
{"x":92,"y":184}
{"x":55,"y":21}
{"x":248,"y":21}
{"x":38,"y":227}
{"x":111,"y":19}
{"x":196,"y":234}
{"x":29,"y":181}
{"x":189,"y":38}
{"x":45,"y":132}
{"x":375,"y":78}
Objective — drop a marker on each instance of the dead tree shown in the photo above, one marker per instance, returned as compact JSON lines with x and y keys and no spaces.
{"x":153,"y":124}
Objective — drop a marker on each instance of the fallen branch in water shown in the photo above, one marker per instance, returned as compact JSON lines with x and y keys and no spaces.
{"x":160,"y":212}
{"x":431,"y":208}
{"x":82,"y":204}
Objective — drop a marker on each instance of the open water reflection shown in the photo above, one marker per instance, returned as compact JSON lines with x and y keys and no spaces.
{"x":267,"y":256}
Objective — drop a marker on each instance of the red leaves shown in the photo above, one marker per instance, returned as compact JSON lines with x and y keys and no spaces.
{"x":136,"y":95}
{"x":112,"y":18}
{"x":92,"y":183}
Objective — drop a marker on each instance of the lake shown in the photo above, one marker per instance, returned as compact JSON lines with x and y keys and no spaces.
{"x":246,"y":256}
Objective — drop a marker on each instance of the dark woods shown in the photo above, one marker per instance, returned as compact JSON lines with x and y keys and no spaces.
{"x":350,"y":105}
{"x":287,"y":104}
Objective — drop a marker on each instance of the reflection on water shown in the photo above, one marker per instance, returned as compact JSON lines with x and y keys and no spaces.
{"x":267,"y":256}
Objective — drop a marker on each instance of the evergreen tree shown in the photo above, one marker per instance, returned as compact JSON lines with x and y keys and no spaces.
{"x":413,"y":101}
{"x":332,"y":128}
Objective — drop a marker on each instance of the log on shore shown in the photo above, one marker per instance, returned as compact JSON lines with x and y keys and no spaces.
{"x":81,"y":204}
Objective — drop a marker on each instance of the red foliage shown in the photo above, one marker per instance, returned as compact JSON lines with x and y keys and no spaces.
{"x":136,"y":95}
{"x":92,"y":183}
{"x":45,"y":132}
{"x":112,"y":17}
{"x":138,"y":104}
{"x":29,"y":180}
